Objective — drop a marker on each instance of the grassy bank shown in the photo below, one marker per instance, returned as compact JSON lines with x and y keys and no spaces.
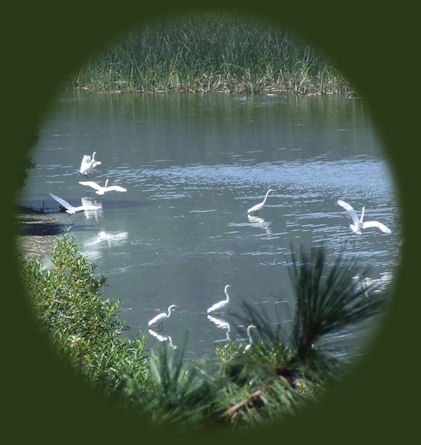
{"x":267,"y":382}
{"x":210,"y":53}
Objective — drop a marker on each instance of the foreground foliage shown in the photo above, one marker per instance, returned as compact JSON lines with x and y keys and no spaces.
{"x":281,"y":370}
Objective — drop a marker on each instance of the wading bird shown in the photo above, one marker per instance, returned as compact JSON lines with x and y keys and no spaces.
{"x":257,"y":207}
{"x":162,"y":316}
{"x":221,"y":304}
{"x":88,"y":163}
{"x":71,"y":209}
{"x":101,"y":190}
{"x":248,"y":346}
{"x":359,"y":224}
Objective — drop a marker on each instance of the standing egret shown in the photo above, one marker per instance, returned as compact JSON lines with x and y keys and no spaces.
{"x":88,"y":163}
{"x":257,"y":207}
{"x":248,"y":346}
{"x":162,"y":316}
{"x":101,"y":190}
{"x":220,"y":304}
{"x":71,"y":209}
{"x":359,"y":224}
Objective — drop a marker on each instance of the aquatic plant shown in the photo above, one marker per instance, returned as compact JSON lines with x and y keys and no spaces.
{"x":210,"y":52}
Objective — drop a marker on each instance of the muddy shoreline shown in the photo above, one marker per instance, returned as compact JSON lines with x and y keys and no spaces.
{"x":36,"y":231}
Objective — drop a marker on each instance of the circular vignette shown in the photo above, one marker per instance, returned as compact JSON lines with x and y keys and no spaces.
{"x":45,"y":388}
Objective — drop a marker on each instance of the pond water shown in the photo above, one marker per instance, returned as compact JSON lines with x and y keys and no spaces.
{"x":192,"y":166}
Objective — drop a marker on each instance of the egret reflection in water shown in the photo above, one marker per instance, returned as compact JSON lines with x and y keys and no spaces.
{"x":222,"y":324}
{"x":110,"y":238}
{"x":163,"y":338}
{"x":257,"y":221}
{"x":95,"y":205}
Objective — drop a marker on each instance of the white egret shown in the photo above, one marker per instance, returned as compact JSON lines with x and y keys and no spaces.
{"x":88,"y":163}
{"x":71,"y":209}
{"x":359,"y":224}
{"x":221,"y":304}
{"x":163,"y":338}
{"x":101,"y":190}
{"x":162,"y":316}
{"x":257,"y":207}
{"x":248,"y":346}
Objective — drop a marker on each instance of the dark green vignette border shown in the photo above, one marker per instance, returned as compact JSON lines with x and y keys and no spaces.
{"x":376,"y":46}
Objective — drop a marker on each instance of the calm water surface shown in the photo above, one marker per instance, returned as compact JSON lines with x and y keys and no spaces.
{"x":192,"y":166}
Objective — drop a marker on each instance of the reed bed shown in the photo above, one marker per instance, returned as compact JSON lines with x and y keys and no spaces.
{"x":210,"y":53}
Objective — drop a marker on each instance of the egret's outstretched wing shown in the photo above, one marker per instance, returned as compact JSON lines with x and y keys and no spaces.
{"x":116,"y":188}
{"x":92,"y":184}
{"x":63,"y":202}
{"x":350,"y":210}
{"x":377,"y":225}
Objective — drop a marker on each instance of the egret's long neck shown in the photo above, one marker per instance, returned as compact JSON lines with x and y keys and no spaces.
{"x":169,"y":310}
{"x":266,"y":196}
{"x":226,"y":294}
{"x":249,"y":335}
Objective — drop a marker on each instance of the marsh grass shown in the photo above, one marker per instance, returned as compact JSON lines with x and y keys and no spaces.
{"x":210,"y":53}
{"x":241,"y":388}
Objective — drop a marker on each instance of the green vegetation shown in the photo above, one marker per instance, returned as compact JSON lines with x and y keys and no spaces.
{"x":210,"y":53}
{"x":280,"y":372}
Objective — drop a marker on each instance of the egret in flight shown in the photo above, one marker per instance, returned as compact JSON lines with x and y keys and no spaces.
{"x":248,"y":346}
{"x":101,"y":190}
{"x":358,"y":223}
{"x":88,"y":163}
{"x":221,"y":304}
{"x":257,"y":207}
{"x":162,"y":316}
{"x":71,"y":209}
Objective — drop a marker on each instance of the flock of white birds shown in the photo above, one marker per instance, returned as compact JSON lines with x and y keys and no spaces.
{"x":356,"y":227}
{"x":89,"y":162}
